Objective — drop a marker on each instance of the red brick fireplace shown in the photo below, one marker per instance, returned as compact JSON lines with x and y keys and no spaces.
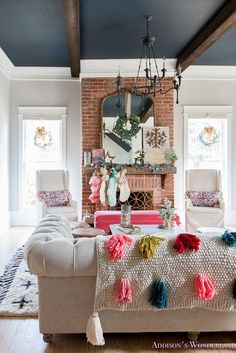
{"x":94,"y":90}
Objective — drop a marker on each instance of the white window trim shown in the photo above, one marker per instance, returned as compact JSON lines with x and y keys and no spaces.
{"x":35,"y":113}
{"x":215,"y":111}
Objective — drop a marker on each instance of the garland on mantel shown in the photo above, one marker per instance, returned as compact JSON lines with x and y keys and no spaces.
{"x":155,"y":168}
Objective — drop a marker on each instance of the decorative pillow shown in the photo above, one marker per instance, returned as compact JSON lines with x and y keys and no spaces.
{"x":54,"y":198}
{"x":204,"y":198}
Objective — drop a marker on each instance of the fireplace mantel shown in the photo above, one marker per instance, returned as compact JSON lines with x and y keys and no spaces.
{"x":140,"y":171}
{"x":137,"y":171}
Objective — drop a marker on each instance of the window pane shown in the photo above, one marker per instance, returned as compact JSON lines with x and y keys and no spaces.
{"x":36,"y":158}
{"x":202,"y":156}
{"x":33,"y":153}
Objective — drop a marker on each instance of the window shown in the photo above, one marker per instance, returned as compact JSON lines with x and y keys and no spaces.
{"x":207,"y":141}
{"x":204,"y":153}
{"x":42,"y":147}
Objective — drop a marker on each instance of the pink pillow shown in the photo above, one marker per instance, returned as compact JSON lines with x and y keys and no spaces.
{"x":54,"y":198}
{"x":204,"y":198}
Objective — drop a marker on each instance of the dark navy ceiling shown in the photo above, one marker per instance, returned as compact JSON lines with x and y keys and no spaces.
{"x":222,"y":52}
{"x":32,"y":32}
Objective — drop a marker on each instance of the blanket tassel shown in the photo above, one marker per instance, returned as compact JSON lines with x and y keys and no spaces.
{"x":204,"y":287}
{"x":159,"y":294}
{"x":123,"y":291}
{"x":94,"y":331}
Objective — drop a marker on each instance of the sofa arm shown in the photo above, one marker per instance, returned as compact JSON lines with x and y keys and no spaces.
{"x":74,"y":204}
{"x":40,"y":210}
{"x":51,"y":256}
{"x":222,"y":204}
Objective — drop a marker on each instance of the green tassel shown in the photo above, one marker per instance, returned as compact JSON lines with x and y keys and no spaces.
{"x":148,"y":246}
{"x":159,"y":295}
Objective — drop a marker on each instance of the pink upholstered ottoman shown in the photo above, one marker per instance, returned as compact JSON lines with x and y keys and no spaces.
{"x":103,"y":219}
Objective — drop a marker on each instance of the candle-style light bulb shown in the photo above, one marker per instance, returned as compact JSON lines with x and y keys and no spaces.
{"x":118,"y":73}
{"x":164,"y":59}
{"x":179,"y":71}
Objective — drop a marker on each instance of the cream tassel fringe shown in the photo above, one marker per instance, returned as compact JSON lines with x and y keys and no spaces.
{"x":94,"y":331}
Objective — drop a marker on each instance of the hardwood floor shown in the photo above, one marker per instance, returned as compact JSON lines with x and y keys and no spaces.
{"x":10,"y":240}
{"x":22,"y":335}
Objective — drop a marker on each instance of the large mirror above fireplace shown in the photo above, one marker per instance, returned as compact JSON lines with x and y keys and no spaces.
{"x":114,"y":106}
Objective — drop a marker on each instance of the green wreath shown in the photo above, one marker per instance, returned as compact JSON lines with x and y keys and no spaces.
{"x":121,"y":130}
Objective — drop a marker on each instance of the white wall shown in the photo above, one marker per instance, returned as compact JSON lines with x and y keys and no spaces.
{"x":205,"y":92}
{"x":47,"y":93}
{"x":4,"y":155}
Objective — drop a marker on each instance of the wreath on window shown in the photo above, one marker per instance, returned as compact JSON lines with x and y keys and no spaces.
{"x":122,"y":130}
{"x":42,"y":138}
{"x":208,"y":136}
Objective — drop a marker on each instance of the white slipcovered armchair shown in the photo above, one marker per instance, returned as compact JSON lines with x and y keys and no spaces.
{"x":54,"y":180}
{"x":196,"y":216}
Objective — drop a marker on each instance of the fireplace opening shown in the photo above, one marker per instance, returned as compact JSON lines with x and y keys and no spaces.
{"x":138,"y":200}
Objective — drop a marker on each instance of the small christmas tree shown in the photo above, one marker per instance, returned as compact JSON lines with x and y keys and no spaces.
{"x":170,"y":155}
{"x":167,"y":212}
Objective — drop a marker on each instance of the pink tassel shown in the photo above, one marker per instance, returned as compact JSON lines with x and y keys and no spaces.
{"x":123,"y":291}
{"x":116,"y":246}
{"x":204,"y":287}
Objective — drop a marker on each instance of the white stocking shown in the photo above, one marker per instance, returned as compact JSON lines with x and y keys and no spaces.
{"x":123,"y":185}
{"x":103,"y":188}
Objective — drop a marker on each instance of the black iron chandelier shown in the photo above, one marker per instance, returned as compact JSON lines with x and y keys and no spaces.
{"x":153,"y":80}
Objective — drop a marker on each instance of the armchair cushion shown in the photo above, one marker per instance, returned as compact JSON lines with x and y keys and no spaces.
{"x":60,"y":210}
{"x":205,"y":198}
{"x":205,"y":210}
{"x":54,"y":198}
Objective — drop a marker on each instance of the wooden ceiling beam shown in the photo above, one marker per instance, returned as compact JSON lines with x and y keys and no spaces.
{"x":214,"y":29}
{"x":72,"y":23}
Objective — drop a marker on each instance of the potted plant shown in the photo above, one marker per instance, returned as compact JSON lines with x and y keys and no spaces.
{"x":170,"y":155}
{"x":167,"y":212}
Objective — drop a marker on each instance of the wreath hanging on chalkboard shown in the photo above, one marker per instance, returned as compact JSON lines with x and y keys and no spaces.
{"x":121,"y":127}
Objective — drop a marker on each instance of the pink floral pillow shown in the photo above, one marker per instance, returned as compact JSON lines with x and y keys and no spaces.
{"x":204,"y":198}
{"x":54,"y":198}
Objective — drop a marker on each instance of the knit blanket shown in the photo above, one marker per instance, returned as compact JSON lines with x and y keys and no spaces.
{"x":214,"y":259}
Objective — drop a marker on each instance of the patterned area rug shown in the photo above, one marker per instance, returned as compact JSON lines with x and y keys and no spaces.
{"x":18,"y":288}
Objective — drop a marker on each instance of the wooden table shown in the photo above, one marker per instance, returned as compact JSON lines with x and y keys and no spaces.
{"x":87,"y":232}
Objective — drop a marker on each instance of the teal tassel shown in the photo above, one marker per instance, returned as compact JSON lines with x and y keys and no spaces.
{"x":159,"y":294}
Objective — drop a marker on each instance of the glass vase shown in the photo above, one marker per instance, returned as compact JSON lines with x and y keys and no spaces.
{"x":125,"y":217}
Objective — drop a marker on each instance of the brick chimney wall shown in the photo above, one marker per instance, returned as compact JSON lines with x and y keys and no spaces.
{"x":94,"y":90}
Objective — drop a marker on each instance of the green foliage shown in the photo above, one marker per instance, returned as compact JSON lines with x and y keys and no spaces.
{"x":170,"y":155}
{"x":155,"y":168}
{"x":167,"y":211}
{"x":122,"y":130}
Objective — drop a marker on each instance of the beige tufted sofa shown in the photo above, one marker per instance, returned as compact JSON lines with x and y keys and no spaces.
{"x":66,"y":270}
